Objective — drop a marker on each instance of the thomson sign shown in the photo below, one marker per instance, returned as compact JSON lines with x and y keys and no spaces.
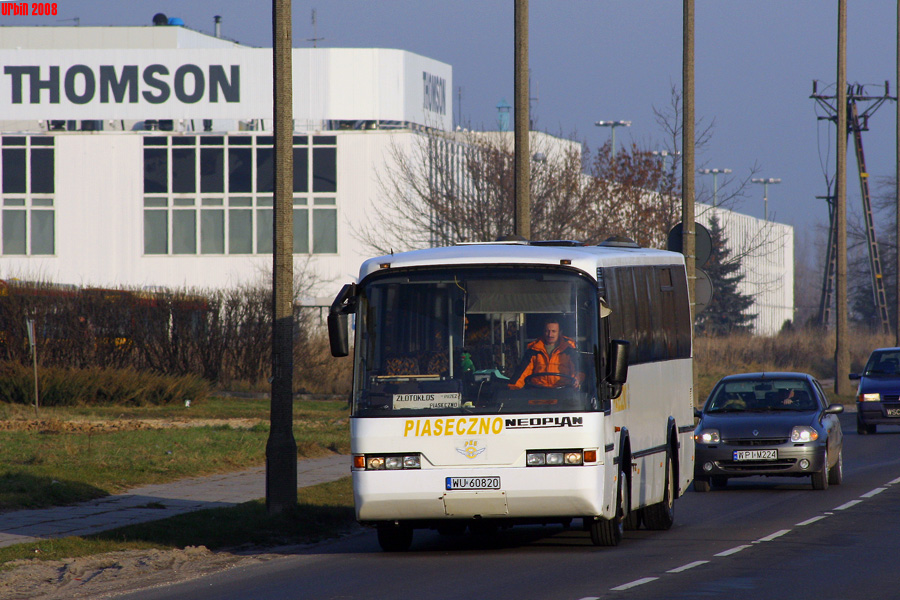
{"x":233,"y":83}
{"x":196,"y":83}
{"x":153,"y":84}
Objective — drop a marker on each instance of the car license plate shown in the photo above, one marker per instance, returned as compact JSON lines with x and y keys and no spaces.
{"x":755,"y":454}
{"x":893,"y":412}
{"x":473,"y":483}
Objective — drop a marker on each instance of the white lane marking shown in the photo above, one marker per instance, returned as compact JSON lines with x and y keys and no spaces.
{"x":850,"y":504}
{"x":733,"y":551}
{"x":696,"y":563}
{"x":810,"y":521}
{"x":895,"y":481}
{"x":874,"y":492}
{"x":590,"y":598}
{"x":635,"y":583}
{"x":771,"y":537}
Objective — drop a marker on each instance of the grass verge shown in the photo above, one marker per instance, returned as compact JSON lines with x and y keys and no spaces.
{"x":322,"y":511}
{"x":79,"y":453}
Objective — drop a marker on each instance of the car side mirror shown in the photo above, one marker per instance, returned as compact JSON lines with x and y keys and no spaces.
{"x":698,"y":413}
{"x":834,"y":409}
{"x":854,"y":376}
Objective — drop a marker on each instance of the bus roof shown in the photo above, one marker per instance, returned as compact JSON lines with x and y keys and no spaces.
{"x":583,"y":258}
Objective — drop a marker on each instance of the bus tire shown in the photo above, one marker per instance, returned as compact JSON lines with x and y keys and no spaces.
{"x":609,"y":532}
{"x":633,"y":520}
{"x":661,"y":516}
{"x":394,"y":537}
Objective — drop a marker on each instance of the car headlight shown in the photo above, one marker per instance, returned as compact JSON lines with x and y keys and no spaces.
{"x":708,"y":436}
{"x":801,"y":433}
{"x":870,"y":397}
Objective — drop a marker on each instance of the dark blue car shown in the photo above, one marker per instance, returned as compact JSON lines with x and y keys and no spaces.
{"x":878,"y":396}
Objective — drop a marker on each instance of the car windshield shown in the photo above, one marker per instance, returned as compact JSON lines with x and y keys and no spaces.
{"x":883,"y":363}
{"x":453,"y":341}
{"x":761,"y":395}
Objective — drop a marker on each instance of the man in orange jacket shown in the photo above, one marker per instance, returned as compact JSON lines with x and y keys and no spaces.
{"x":553,"y":354}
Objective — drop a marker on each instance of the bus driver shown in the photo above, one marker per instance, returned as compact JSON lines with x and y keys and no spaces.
{"x":554,"y":355}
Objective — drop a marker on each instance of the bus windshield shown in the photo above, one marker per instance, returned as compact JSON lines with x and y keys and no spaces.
{"x":476,"y":340}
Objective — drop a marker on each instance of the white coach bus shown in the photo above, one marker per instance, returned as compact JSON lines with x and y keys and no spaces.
{"x":454,"y":422}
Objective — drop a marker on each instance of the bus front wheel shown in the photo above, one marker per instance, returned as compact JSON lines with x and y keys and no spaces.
{"x":394,"y":537}
{"x":609,"y":532}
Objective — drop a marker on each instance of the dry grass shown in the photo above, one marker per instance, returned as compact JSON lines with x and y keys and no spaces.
{"x":808,"y":351}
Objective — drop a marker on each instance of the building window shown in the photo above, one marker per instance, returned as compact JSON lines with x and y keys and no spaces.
{"x":212,"y":195}
{"x":27,"y":186}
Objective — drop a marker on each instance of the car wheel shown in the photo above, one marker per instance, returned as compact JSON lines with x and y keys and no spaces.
{"x":719,"y":481}
{"x":609,"y":532}
{"x":836,"y":473}
{"x":661,"y":516}
{"x":701,"y":484}
{"x":820,"y":478}
{"x":862,"y":428}
{"x":394,"y":538}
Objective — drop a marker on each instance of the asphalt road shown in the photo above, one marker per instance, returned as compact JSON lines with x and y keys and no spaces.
{"x":761,"y":538}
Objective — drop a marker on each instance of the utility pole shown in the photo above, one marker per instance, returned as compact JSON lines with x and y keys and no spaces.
{"x":897,"y":188}
{"x":522,"y":122}
{"x":281,"y":448}
{"x":687,"y":153}
{"x":842,"y":351}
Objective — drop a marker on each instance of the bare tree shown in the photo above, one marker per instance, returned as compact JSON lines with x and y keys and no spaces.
{"x":458,"y":187}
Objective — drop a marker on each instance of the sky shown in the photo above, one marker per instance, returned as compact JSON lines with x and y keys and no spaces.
{"x":596,"y":60}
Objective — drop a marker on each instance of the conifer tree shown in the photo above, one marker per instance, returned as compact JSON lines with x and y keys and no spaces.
{"x":727,"y":312}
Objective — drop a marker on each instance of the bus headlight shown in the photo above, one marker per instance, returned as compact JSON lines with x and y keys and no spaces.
{"x":389,"y":462}
{"x":554,"y":458}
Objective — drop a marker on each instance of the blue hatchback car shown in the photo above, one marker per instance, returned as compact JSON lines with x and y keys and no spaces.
{"x":878,"y":396}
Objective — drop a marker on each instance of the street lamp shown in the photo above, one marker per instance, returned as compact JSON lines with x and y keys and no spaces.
{"x":663,"y":154}
{"x":715,"y":174}
{"x":766,"y":181}
{"x":613,"y":125}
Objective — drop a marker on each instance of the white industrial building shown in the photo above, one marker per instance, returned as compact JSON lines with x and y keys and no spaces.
{"x":142,"y":157}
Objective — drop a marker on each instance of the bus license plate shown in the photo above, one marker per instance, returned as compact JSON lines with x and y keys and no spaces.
{"x":756,"y":455}
{"x":473,"y":483}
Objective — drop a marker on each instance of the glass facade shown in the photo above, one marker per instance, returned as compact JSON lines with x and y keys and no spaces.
{"x":213,"y":194}
{"x":27,"y":187}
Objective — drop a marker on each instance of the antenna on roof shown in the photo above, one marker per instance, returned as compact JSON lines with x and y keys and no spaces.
{"x":315,"y":37}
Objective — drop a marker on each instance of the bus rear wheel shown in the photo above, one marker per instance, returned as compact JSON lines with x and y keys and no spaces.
{"x":661,"y":515}
{"x":609,"y":532}
{"x":394,"y":537}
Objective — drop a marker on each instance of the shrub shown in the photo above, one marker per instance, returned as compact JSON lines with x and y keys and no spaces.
{"x":97,"y":386}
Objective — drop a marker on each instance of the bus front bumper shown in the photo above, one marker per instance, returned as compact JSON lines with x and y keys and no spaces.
{"x":522,"y":493}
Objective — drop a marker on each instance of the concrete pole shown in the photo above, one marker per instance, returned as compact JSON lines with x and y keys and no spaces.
{"x":897,"y":181}
{"x":281,"y":448}
{"x":842,"y":354}
{"x":687,"y":152}
{"x":522,"y":123}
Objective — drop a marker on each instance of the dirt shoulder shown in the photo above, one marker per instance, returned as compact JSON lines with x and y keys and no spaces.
{"x":111,"y":425}
{"x":115,"y":573}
